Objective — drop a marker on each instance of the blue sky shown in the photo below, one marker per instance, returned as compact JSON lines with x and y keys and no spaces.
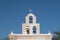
{"x":13,"y":12}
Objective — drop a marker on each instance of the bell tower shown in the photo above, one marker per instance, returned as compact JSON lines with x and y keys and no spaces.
{"x":30,"y":26}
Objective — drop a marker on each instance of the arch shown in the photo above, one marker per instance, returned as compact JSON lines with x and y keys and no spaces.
{"x":30,"y":19}
{"x":34,"y":29}
{"x":27,"y":29}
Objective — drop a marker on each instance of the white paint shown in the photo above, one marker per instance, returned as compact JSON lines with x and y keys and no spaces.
{"x":30,"y":36}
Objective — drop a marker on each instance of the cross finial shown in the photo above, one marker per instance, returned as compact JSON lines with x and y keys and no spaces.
{"x":30,"y":10}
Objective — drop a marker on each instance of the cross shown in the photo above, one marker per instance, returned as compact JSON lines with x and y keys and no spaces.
{"x":30,"y":10}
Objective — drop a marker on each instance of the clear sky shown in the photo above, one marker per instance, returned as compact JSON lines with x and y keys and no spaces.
{"x":13,"y":12}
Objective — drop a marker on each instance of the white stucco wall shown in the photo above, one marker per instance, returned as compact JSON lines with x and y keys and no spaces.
{"x":30,"y":36}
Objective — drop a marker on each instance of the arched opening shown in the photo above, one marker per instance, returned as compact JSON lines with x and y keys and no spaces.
{"x":27,"y":30}
{"x":34,"y":29}
{"x":30,"y":19}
